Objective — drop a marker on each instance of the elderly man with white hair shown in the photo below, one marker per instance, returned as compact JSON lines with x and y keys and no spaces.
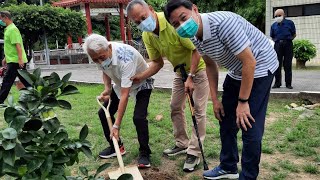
{"x":119,"y":62}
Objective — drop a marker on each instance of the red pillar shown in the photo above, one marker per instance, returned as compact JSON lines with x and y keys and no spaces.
{"x":106,"y":21}
{"x":129,"y":37}
{"x":122,"y":23}
{"x":88,"y":18}
{"x":69,"y":41}
{"x":80,"y":40}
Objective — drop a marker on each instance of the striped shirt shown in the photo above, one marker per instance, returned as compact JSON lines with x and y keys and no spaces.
{"x":226,"y":34}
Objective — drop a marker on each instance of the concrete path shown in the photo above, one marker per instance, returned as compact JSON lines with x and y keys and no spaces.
{"x":303,"y":80}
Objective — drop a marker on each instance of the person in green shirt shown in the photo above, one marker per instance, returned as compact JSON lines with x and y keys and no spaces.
{"x":161,"y":40}
{"x":15,"y":56}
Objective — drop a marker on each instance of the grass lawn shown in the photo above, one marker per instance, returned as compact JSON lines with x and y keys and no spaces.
{"x":291,"y":146}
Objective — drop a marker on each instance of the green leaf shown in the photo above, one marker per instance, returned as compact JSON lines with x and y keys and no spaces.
{"x":37,"y":72}
{"x":126,"y":177}
{"x":8,"y":144}
{"x":86,"y":151}
{"x":102,"y":168}
{"x":8,"y":157}
{"x":26,"y":76}
{"x":51,"y":124}
{"x":10,"y":170}
{"x":46,"y":167}
{"x":50,"y":101}
{"x":34,"y":165}
{"x":64,"y":104}
{"x":10,"y":100}
{"x":18,"y":123}
{"x":9,"y":133}
{"x":66,"y":77}
{"x":60,"y":137}
{"x":61,"y":159}
{"x":70,"y":89}
{"x":9,"y":114}
{"x":25,"y":137}
{"x":84,"y":171}
{"x":19,"y":150}
{"x":55,"y":77}
{"x":32,"y":125}
{"x":84,"y":133}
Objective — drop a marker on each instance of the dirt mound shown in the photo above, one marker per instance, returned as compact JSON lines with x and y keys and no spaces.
{"x":155,"y":174}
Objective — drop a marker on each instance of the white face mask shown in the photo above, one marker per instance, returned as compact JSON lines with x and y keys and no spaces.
{"x":106,"y":63}
{"x":279,"y":19}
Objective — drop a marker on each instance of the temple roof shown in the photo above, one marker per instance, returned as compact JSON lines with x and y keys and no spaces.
{"x":65,"y":3}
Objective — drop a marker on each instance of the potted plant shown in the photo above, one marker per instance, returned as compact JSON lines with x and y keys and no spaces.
{"x":303,"y":51}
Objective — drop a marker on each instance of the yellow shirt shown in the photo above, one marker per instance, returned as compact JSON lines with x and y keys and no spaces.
{"x":169,"y":44}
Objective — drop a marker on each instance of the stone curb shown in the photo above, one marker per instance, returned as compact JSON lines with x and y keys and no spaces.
{"x":313,"y":96}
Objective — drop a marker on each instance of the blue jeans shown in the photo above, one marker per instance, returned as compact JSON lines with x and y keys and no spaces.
{"x":251,"y":138}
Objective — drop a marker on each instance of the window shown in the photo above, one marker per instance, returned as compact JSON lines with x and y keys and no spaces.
{"x":300,"y":10}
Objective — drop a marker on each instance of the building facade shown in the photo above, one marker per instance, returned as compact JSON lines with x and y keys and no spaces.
{"x":304,"y":13}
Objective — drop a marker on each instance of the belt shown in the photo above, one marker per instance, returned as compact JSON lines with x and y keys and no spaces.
{"x":284,"y":40}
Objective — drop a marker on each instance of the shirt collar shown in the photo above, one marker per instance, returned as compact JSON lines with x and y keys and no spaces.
{"x":206,"y":27}
{"x":162,"y":21}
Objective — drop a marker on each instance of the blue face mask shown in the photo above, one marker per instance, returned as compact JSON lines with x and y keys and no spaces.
{"x":188,"y":29}
{"x":106,"y":63}
{"x":148,"y":24}
{"x":2,"y":23}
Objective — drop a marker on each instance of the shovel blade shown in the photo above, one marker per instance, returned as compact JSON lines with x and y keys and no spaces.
{"x":134,"y":171}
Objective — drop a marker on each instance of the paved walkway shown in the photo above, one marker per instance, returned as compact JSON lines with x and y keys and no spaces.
{"x":303,"y":80}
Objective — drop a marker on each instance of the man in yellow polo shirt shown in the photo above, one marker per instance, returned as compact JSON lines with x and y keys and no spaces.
{"x":15,"y":56}
{"x":161,"y":40}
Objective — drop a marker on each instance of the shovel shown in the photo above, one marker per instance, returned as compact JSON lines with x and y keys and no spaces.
{"x":184,"y":77}
{"x":133,"y":170}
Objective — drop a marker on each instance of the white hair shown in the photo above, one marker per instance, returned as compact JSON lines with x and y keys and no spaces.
{"x":135,"y":2}
{"x":95,"y":42}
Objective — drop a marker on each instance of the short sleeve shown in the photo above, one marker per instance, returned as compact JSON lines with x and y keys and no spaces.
{"x":128,"y":65}
{"x":233,"y":36}
{"x":153,"y":53}
{"x":15,"y":36}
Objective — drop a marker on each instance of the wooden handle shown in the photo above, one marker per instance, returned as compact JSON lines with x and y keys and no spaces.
{"x":115,"y":142}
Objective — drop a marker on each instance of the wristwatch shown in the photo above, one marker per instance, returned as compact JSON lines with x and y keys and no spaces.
{"x":243,"y":100}
{"x":191,"y":75}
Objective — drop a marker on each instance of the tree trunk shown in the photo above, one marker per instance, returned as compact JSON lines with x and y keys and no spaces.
{"x":301,"y":64}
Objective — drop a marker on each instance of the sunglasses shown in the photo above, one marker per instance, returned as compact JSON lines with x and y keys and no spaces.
{"x":277,"y":16}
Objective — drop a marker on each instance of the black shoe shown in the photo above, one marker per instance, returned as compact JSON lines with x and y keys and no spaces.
{"x":289,"y":87}
{"x":144,"y":161}
{"x":275,"y":86}
{"x":110,"y":152}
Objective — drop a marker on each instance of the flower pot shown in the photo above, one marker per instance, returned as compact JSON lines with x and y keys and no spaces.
{"x":301,"y":64}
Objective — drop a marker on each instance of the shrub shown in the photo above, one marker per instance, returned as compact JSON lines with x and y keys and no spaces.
{"x":304,"y":50}
{"x":35,"y":145}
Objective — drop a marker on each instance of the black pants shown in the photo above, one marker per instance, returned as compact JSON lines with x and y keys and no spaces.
{"x":139,"y":118}
{"x":9,"y":78}
{"x":284,"y":49}
{"x":251,"y":138}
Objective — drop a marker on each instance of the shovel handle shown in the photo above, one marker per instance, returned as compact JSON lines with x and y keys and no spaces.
{"x":115,"y":142}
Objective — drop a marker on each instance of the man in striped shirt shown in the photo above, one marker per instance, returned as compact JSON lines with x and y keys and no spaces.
{"x":229,"y":40}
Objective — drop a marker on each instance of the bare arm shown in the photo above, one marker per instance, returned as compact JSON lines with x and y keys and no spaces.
{"x":19,"y":50}
{"x":107,"y":85}
{"x":195,"y":59}
{"x":243,"y":109}
{"x":154,"y":67}
{"x":213,"y":78}
{"x":248,"y":68}
{"x":122,"y":105}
